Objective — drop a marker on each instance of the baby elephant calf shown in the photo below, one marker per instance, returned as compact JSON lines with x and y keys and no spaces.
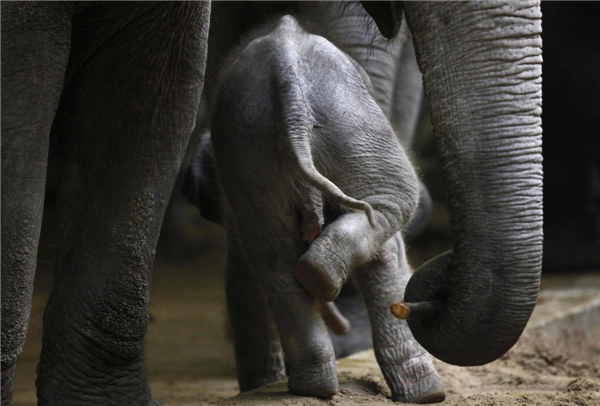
{"x":296,"y":131}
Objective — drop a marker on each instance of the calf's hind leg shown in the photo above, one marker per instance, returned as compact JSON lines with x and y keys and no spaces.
{"x":123,"y":126}
{"x":258,"y":352}
{"x":370,"y":166}
{"x":272,"y":242}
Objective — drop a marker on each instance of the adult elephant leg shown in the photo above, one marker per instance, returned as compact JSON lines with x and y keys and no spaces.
{"x":407,"y":95}
{"x":35,"y":50}
{"x":405,"y":108}
{"x":406,"y":366}
{"x":258,"y":353}
{"x":135,"y":77}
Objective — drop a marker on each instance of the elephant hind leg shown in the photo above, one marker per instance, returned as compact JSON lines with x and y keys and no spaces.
{"x":258,"y":353}
{"x":273,"y":243}
{"x":406,"y":366}
{"x":35,"y":50}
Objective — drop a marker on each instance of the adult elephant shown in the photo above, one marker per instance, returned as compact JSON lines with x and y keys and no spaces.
{"x":128,"y":78}
{"x":119,"y":84}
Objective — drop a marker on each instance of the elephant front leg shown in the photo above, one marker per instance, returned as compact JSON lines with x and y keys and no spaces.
{"x":33,"y":67}
{"x":122,"y":126}
{"x":97,"y":314}
{"x":406,"y":366}
{"x":258,"y":353}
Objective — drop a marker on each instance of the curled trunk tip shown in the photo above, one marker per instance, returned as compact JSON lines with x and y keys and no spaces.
{"x":416,"y":311}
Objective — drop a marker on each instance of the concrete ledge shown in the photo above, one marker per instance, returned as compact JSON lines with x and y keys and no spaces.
{"x":572,"y":302}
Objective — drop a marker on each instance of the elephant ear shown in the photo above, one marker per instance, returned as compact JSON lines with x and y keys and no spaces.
{"x":202,"y":185}
{"x":386,"y":14}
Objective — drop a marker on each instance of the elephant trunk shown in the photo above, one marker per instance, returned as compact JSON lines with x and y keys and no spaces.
{"x":481,"y":65}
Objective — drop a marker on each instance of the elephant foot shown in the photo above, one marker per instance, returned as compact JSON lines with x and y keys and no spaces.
{"x":95,"y":368}
{"x":429,"y":389}
{"x":321,"y":385}
{"x":414,"y":379}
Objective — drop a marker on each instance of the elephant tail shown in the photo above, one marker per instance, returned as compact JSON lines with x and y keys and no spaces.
{"x":296,"y":125}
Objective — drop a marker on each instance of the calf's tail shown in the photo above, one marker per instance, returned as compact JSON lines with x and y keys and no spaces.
{"x":296,"y":124}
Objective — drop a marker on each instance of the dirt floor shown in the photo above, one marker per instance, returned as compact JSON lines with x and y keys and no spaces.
{"x":190,"y":358}
{"x":539,"y":370}
{"x":562,"y":370}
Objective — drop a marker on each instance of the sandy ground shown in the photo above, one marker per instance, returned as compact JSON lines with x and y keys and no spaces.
{"x":539,"y":370}
{"x":190,"y":358}
{"x":562,"y":370}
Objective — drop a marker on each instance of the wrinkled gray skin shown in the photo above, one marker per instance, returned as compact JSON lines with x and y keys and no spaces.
{"x":126,"y":109}
{"x":397,"y":84}
{"x":481,"y":65}
{"x":392,"y":68}
{"x":119,"y":83}
{"x":288,"y":99}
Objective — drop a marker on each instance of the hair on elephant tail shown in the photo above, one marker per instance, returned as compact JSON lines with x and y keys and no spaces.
{"x":296,"y":123}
